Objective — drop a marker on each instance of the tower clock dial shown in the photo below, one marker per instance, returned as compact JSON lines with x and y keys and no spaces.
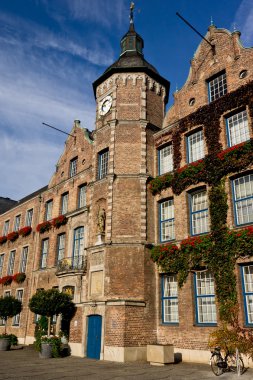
{"x":105,"y":105}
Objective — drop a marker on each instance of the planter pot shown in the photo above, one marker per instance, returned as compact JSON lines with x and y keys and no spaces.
{"x":5,"y":344}
{"x":46,"y":351}
{"x":160,"y":354}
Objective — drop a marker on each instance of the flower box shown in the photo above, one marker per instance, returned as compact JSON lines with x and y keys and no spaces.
{"x":6,"y":280}
{"x":19,"y":277}
{"x":12,"y":236}
{"x":59,"y":221}
{"x":43,"y":227}
{"x":25,"y":231}
{"x":3,"y":239}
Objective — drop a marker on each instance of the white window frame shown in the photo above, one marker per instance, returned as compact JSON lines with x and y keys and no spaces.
{"x":195,"y":146}
{"x":199,"y":213}
{"x":64,"y":203}
{"x":61,"y":241}
{"x":237,"y":128}
{"x":17,"y":222}
{"x":1,"y":263}
{"x":165,"y":157}
{"x":167,"y":220}
{"x":73,"y":167}
{"x":11,"y":263}
{"x":170,"y":299}
{"x":6,"y":227}
{"x":29,"y":217}
{"x":82,"y":196}
{"x":217,"y":86}
{"x":44,"y":253}
{"x":247,"y":287}
{"x":243,"y":202}
{"x":48,"y":210}
{"x":23,"y":260}
{"x":205,"y":305}
{"x":19,"y":296}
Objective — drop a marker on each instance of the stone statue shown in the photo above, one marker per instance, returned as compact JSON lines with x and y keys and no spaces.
{"x":101,"y":220}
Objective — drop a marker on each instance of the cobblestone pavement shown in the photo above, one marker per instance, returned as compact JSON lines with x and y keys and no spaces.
{"x":26,"y":364}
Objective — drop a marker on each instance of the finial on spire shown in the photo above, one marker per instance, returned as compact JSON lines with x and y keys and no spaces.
{"x":131,"y":12}
{"x":234,"y":27}
{"x":211,"y":21}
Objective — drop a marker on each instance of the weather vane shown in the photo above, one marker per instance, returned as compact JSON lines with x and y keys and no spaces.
{"x":131,"y":12}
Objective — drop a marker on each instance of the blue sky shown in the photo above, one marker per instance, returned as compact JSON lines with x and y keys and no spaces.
{"x":52,"y":51}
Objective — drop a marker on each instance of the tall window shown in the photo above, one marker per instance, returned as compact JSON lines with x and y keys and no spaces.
{"x":237,"y":128}
{"x":247,"y":285}
{"x":205,"y":298}
{"x":199,"y":213}
{"x":243,"y":199}
{"x":1,"y":263}
{"x":165,"y":156}
{"x":64,"y":203}
{"x":48,"y":210}
{"x":60,"y":247}
{"x":23,"y":260}
{"x":167,"y":221}
{"x":81,"y":196}
{"x":195,"y":146}
{"x":78,"y":246}
{"x":169,"y":299}
{"x":17,"y":222}
{"x":73,"y":167}
{"x":217,"y":86}
{"x":44,"y":252}
{"x":11,"y":263}
{"x":19,"y":296}
{"x":6,"y":227}
{"x":29,"y":217}
{"x":103,"y":158}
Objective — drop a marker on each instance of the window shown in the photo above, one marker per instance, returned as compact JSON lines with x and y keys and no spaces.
{"x":167,"y":229}
{"x":103,"y":158}
{"x":199,"y":221}
{"x":169,"y":299}
{"x":217,"y":86}
{"x":17,"y":222}
{"x":64,"y":203}
{"x":23,"y":260}
{"x":78,"y":247}
{"x":48,"y":211}
{"x":60,"y":247}
{"x":205,"y":298}
{"x":165,"y":159}
{"x":6,"y":227}
{"x":195,"y":146}
{"x":7,"y":293}
{"x":29,"y":217}
{"x":19,"y":296}
{"x":243,"y":199}
{"x":44,"y":252}
{"x":73,"y":167}
{"x":1,"y":263}
{"x":81,"y":196}
{"x":11,"y":263}
{"x":237,"y":128}
{"x":247,"y":287}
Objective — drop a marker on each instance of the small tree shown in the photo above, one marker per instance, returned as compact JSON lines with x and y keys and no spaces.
{"x":51,"y":302}
{"x":9,"y":307}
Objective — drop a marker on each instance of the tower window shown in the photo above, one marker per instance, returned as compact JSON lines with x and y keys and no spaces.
{"x":103,"y":158}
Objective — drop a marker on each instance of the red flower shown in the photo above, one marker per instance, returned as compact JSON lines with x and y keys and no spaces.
{"x":59,"y":221}
{"x":25,"y":231}
{"x":221,"y":155}
{"x":12,"y":236}
{"x":6,"y":280}
{"x":43,"y":227}
{"x":3,"y":239}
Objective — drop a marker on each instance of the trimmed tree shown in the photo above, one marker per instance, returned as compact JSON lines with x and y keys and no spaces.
{"x":9,"y":307}
{"x":51,"y":302}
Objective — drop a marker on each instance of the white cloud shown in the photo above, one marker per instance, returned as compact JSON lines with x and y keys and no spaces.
{"x":244,"y":21}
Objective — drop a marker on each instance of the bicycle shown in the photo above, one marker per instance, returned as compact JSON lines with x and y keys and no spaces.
{"x":230,"y":362}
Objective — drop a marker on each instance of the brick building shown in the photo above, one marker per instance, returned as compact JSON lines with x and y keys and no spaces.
{"x":100,"y":252}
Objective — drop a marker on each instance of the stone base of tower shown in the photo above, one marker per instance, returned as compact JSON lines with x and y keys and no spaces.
{"x":125,"y":354}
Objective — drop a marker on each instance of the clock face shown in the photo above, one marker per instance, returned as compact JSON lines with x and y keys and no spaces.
{"x":105,"y":105}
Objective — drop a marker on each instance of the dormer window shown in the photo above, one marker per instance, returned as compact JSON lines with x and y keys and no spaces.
{"x":217,"y":86}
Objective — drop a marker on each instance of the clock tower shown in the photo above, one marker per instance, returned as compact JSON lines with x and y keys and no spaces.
{"x":131,"y":96}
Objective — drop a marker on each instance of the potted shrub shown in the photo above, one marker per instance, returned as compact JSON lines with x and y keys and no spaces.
{"x":59,"y":221}
{"x":9,"y":307}
{"x":19,"y":277}
{"x":12,"y":236}
{"x":6,"y":280}
{"x":48,"y":303}
{"x":43,"y":227}
{"x":3,"y":239}
{"x":25,"y":231}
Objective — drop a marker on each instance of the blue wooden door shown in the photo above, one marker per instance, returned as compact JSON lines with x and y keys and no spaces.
{"x":94,"y":336}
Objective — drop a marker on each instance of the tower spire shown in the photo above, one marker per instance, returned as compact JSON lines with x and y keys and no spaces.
{"x":131,"y":16}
